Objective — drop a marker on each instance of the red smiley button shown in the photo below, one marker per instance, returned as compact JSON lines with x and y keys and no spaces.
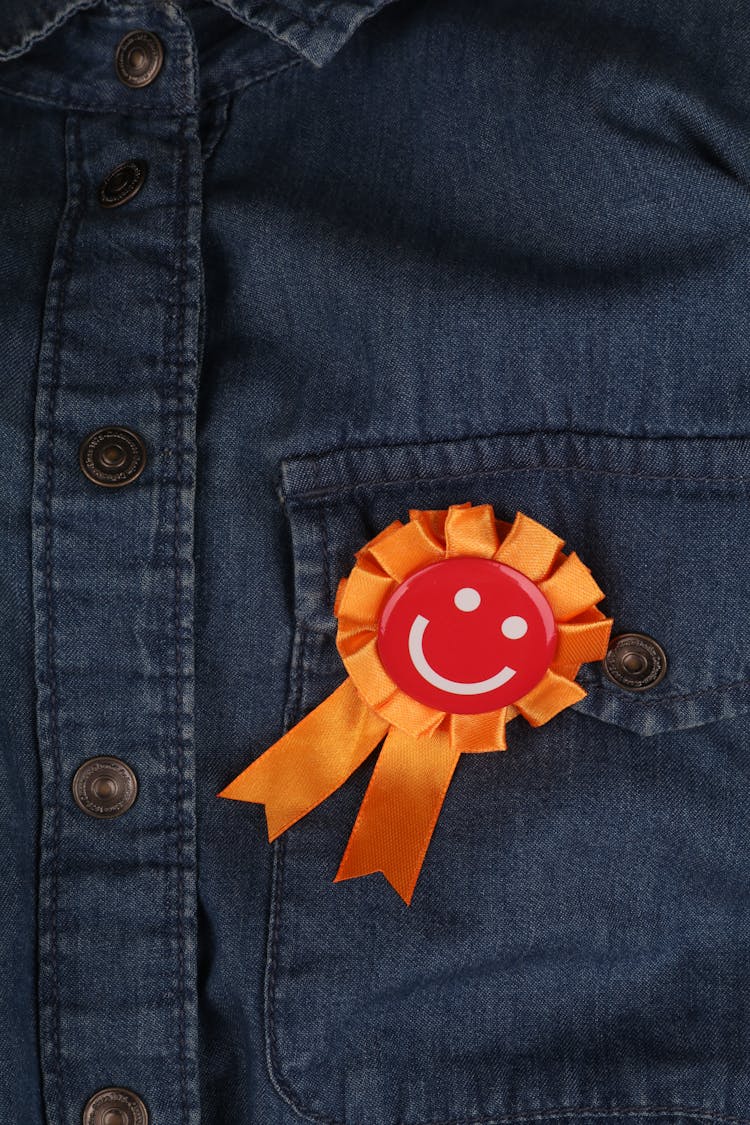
{"x":467,"y":635}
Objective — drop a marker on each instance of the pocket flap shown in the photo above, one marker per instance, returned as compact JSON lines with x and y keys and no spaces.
{"x":662,"y":523}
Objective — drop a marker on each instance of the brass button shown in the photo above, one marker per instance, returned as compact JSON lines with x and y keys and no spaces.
{"x":635,"y":662}
{"x":112,"y":456}
{"x":104,"y":788}
{"x":138,"y":58}
{"x":122,"y":183}
{"x":115,"y":1106}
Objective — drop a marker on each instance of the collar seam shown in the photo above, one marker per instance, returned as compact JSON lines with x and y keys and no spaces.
{"x":36,"y":34}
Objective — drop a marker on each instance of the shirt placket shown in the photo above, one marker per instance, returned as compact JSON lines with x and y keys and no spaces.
{"x":113,"y":508}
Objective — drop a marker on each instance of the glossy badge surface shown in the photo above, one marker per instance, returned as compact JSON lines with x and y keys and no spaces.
{"x":467,"y":635}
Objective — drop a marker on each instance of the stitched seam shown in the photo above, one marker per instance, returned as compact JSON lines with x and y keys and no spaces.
{"x":78,"y":107}
{"x":327,"y":568}
{"x":246,"y":83}
{"x":694,"y":1112}
{"x":182,"y":237}
{"x":273,"y":1055}
{"x":274,"y":1069}
{"x":468,"y":439}
{"x":66,"y":253}
{"x":334,"y":10}
{"x":294,"y":461}
{"x":34,"y":36}
{"x":325,"y":13}
{"x":257,"y":22}
{"x":667,"y":698}
{"x":296,"y":674}
{"x":321,"y":497}
{"x":218,"y":128}
{"x":162,"y":458}
{"x":257,"y":15}
{"x":591,"y":1111}
{"x":309,"y":20}
{"x":172,"y":413}
{"x":146,"y":111}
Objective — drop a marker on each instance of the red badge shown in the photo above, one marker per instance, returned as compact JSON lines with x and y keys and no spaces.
{"x":467,"y":635}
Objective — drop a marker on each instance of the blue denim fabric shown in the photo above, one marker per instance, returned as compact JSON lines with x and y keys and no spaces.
{"x":387,"y":256}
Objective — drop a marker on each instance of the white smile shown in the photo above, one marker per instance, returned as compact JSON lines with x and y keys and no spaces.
{"x":455,"y":687}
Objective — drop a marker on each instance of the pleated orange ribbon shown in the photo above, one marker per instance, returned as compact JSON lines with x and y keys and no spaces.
{"x":422,"y":683}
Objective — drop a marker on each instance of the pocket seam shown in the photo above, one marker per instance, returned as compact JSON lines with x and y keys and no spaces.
{"x":657,"y":702}
{"x":306,"y":477}
{"x":323,"y":496}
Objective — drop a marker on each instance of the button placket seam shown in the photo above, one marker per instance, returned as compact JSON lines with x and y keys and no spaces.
{"x":176,"y":481}
{"x":50,"y":1013}
{"x":177,"y":417}
{"x":179,"y":684}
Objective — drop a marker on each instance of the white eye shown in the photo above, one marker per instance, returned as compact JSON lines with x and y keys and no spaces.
{"x":467,"y":599}
{"x":514,"y":628}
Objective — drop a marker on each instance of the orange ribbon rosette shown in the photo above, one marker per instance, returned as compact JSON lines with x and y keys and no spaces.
{"x":449,"y":626}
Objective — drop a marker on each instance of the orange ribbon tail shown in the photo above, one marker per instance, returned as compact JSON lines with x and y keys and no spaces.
{"x":399,"y":810}
{"x":311,"y":760}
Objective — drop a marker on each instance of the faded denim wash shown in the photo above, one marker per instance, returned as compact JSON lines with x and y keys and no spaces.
{"x":387,"y":256}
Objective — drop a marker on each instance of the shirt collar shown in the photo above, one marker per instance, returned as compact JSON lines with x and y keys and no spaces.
{"x":315,"y":29}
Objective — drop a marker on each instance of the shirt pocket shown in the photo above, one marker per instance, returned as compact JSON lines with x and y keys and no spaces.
{"x":576,"y":941}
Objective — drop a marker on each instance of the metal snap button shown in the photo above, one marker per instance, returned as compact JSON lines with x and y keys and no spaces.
{"x":138,"y":58}
{"x":112,"y":457}
{"x":104,"y":788}
{"x":115,"y":1106}
{"x":635,"y":661}
{"x":122,"y":183}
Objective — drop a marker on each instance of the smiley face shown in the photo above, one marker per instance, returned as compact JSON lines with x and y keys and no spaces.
{"x":467,"y":635}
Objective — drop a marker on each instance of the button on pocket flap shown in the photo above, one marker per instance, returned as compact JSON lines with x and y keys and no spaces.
{"x":662,"y":523}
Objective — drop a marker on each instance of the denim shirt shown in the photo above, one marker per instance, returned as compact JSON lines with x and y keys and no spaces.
{"x":385,"y":256}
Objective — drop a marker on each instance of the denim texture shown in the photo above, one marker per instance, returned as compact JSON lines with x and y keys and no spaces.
{"x":387,"y":256}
